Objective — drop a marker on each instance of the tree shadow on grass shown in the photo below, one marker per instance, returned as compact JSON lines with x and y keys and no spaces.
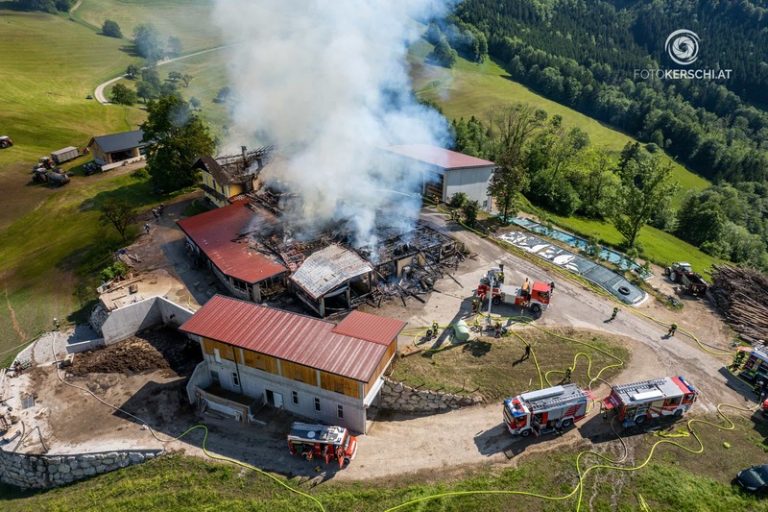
{"x":478,"y":348}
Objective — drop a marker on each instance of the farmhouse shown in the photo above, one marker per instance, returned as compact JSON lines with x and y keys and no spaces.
{"x":114,"y":150}
{"x":227,"y":177}
{"x":214,"y":239}
{"x":309,"y":367}
{"x":446,"y":172}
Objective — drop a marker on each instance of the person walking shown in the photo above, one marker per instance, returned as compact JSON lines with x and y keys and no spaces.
{"x":527,"y":353}
{"x":568,"y":375}
{"x":613,"y":315}
{"x":551,"y":287}
{"x":146,"y":228}
{"x":672,"y":330}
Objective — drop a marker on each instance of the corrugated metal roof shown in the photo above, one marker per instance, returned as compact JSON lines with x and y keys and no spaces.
{"x":439,"y":157}
{"x":329,"y":268}
{"x":366,"y":326}
{"x":285,"y":335}
{"x":64,"y":151}
{"x":119,"y":141}
{"x":214,"y":233}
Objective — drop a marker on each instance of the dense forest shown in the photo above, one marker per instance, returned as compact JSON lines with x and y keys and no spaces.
{"x":584,"y":53}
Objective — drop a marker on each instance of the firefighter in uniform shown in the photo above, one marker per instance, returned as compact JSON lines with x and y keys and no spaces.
{"x":435,"y":328}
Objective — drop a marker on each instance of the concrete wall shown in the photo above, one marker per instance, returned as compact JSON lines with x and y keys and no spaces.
{"x":399,"y":397}
{"x":44,"y":471}
{"x":255,"y":383}
{"x":473,"y":182}
{"x":124,"y":322}
{"x":75,"y":348}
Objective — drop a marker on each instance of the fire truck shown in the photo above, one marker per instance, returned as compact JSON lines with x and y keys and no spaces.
{"x":546,"y":410}
{"x":314,"y":441}
{"x":636,"y":403}
{"x":531,"y":295}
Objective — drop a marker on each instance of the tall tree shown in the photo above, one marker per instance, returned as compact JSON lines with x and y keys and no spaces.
{"x":123,"y":95}
{"x":646,"y":184}
{"x":178,"y":137}
{"x":112,"y":29}
{"x":119,"y":213}
{"x":511,"y":127}
{"x":146,"y":38}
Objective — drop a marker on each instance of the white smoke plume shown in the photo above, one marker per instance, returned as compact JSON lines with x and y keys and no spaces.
{"x":327,"y":82}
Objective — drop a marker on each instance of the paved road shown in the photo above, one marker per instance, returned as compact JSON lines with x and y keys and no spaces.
{"x":99,"y":92}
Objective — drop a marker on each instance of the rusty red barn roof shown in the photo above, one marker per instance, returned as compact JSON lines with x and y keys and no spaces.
{"x":214,"y":233}
{"x":373,"y":328}
{"x":439,"y":157}
{"x":285,"y":335}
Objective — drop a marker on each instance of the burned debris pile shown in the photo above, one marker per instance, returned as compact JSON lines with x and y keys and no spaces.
{"x":741,"y":294}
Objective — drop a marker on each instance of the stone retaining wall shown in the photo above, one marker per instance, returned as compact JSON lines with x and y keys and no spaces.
{"x":396,"y":396}
{"x":44,"y":471}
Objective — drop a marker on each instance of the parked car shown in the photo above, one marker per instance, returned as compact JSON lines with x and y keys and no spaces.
{"x":754,"y":478}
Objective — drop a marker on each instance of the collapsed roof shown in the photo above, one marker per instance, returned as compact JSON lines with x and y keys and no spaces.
{"x":327,"y":269}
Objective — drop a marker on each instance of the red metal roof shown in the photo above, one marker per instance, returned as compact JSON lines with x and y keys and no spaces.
{"x":439,"y":157}
{"x":366,"y":326}
{"x":285,"y":335}
{"x":214,"y":233}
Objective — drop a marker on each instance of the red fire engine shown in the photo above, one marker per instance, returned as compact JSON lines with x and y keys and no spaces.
{"x":636,"y":403}
{"x":535,"y":296}
{"x":545,"y":410}
{"x":322,"y":442}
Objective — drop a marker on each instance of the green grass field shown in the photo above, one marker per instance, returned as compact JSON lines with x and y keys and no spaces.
{"x":49,"y":65}
{"x":493,"y":367}
{"x":189,"y":20}
{"x":470,"y":89}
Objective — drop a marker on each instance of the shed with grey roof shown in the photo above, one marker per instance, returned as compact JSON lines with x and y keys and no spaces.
{"x":118,"y":148}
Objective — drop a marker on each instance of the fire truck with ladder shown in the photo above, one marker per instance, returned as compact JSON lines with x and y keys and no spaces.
{"x":546,"y":410}
{"x":534,"y":296}
{"x":324,"y":442}
{"x":636,"y":403}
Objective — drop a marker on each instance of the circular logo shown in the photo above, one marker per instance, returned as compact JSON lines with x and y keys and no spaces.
{"x":682,"y":46}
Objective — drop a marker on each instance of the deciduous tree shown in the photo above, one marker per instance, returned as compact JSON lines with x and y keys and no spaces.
{"x":118,"y":213}
{"x":112,"y":29}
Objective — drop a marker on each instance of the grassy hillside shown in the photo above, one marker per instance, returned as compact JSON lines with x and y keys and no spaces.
{"x":189,"y":20}
{"x":49,"y":65}
{"x":476,"y":89}
{"x":675,"y":480}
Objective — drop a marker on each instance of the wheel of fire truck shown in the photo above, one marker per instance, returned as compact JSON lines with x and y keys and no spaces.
{"x":678,"y":413}
{"x":526,"y":432}
{"x":673,"y":277}
{"x":496,"y":301}
{"x":567,"y":423}
{"x":536,"y":309}
{"x":347,"y":460}
{"x":639,"y":420}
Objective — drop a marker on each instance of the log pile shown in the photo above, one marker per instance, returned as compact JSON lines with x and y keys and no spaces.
{"x":741,"y":295}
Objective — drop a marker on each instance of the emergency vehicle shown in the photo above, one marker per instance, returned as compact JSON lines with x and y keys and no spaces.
{"x":314,"y":441}
{"x":533,"y":295}
{"x":638,"y":402}
{"x":545,"y":410}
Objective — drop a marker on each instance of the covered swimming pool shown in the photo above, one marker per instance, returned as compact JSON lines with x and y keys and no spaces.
{"x":594,"y":272}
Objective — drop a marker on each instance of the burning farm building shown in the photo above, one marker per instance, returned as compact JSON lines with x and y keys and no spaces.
{"x":252,"y":250}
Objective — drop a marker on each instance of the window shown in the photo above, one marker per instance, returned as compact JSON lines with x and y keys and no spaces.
{"x":216,"y":355}
{"x":215,"y":377}
{"x":673,"y":401}
{"x":235,"y":379}
{"x":295,"y":397}
{"x":340,"y":412}
{"x":240,"y":285}
{"x":317,"y":404}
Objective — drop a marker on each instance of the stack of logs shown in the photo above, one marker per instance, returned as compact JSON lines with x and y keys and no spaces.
{"x":741,"y":294}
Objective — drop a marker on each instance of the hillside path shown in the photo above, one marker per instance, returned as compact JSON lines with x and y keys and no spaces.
{"x":99,"y":91}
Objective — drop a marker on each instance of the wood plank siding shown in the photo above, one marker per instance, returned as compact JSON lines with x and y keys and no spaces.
{"x":382,"y":366}
{"x":225,"y":351}
{"x":260,"y":361}
{"x":298,"y":372}
{"x":339,"y":384}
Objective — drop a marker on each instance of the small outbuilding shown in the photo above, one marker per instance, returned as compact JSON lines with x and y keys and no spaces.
{"x":116,"y":149}
{"x":65,"y":154}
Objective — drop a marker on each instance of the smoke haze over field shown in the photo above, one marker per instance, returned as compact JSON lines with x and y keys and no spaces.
{"x":327,"y":82}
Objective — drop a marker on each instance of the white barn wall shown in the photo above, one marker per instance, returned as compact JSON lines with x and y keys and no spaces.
{"x":473,"y":182}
